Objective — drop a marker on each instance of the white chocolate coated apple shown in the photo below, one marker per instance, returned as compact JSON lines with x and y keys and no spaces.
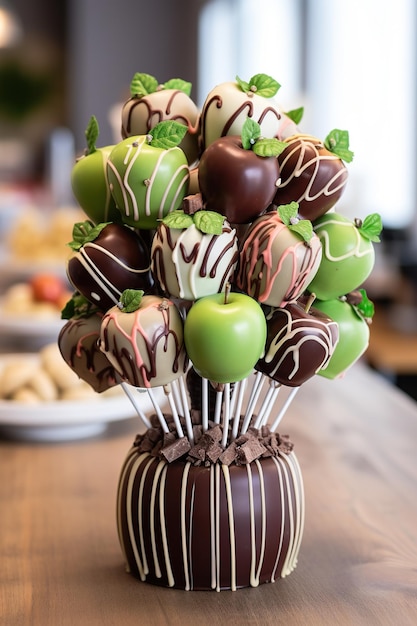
{"x":190,"y":264}
{"x":146,"y":346}
{"x":141,"y":114}
{"x":227,"y":107}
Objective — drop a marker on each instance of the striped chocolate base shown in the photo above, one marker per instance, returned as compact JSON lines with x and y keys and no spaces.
{"x":216,"y":527}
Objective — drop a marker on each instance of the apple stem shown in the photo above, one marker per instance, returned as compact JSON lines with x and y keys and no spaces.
{"x":227,"y":293}
{"x":309,"y":302}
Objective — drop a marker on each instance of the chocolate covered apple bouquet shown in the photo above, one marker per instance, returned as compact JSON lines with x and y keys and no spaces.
{"x":218,"y":270}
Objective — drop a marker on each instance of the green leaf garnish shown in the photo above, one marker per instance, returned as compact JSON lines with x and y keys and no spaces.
{"x":91,"y":134}
{"x":178,"y":83}
{"x":209,"y":222}
{"x":252,"y":140}
{"x":261,"y":84}
{"x":288,"y":214}
{"x":143,"y":84}
{"x":78,"y":307}
{"x":130,"y":300}
{"x":337,"y":141}
{"x":167,"y":134}
{"x":269,"y":147}
{"x":251,"y":132}
{"x":178,"y":219}
{"x":371,"y":227}
{"x":83,"y":232}
{"x":296,"y":115}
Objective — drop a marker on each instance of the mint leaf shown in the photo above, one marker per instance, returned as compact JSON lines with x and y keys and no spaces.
{"x":296,"y":115}
{"x":304,"y":228}
{"x":269,"y":147}
{"x":167,"y":134}
{"x":78,"y":307}
{"x":178,"y":83}
{"x":371,"y":227}
{"x":91,"y":134}
{"x":287,"y":212}
{"x":251,"y":132}
{"x":83,"y":232}
{"x":130,"y":300}
{"x":264,"y":85}
{"x":244,"y":86}
{"x":209,"y":222}
{"x":337,"y":141}
{"x":289,"y":216}
{"x":143,"y":84}
{"x":178,"y":219}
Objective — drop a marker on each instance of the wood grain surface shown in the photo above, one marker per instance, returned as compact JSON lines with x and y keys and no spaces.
{"x":356,"y":440}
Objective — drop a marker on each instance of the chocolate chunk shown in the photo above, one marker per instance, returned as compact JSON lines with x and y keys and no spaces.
{"x":229,"y":454}
{"x":192,"y":203}
{"x":175,"y":450}
{"x":214,"y":452}
{"x":250,"y":451}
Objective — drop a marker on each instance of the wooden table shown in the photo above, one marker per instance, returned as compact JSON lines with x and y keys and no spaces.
{"x":356,"y":440}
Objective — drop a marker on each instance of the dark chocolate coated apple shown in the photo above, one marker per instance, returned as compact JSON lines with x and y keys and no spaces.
{"x":299,"y":343}
{"x":108,"y":260}
{"x":236,"y":182}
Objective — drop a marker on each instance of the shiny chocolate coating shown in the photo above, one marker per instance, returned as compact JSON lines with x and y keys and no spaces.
{"x":236,"y":182}
{"x":202,"y":528}
{"x":116,"y":260}
{"x":310,"y":175}
{"x":298,"y":344}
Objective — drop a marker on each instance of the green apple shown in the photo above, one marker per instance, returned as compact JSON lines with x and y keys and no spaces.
{"x":225,"y":336}
{"x":352,"y":314}
{"x":348,"y":253}
{"x":89,"y":180}
{"x":147,"y":179}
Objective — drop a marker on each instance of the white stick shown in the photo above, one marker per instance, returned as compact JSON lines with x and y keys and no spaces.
{"x":256,"y":390}
{"x":226,"y":414}
{"x":266,"y":404}
{"x":177,"y":395}
{"x":171,"y":400}
{"x":187,"y":415}
{"x":284,"y":408}
{"x":128,"y":391}
{"x":204,"y":403}
{"x":237,"y":410}
{"x":218,"y":407}
{"x":158,"y":411}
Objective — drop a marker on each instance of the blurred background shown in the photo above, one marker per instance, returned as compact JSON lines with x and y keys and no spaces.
{"x":350,"y":63}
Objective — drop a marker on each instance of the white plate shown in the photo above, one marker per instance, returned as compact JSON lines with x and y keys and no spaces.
{"x":62,"y":420}
{"x":28,"y":333}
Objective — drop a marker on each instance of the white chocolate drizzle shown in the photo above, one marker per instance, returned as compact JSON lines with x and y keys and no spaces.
{"x":273,"y":531}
